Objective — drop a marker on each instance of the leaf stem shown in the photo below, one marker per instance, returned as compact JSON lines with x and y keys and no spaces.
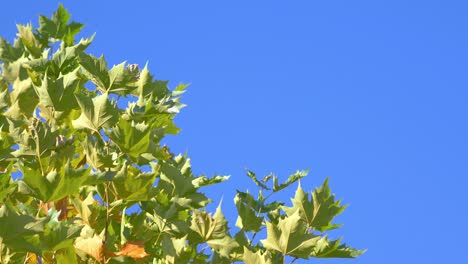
{"x":253,"y":237}
{"x":294,"y":260}
{"x":106,"y":230}
{"x":38,"y":146}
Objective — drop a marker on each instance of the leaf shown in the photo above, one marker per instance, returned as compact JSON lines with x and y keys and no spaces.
{"x":147,"y":88}
{"x":249,"y":219}
{"x":96,"y":70}
{"x":133,"y":139}
{"x":63,"y":61}
{"x":91,"y":246}
{"x":334,"y":249}
{"x":204,"y":181}
{"x":250,"y":257}
{"x":174,"y":247}
{"x":9,"y":53}
{"x":258,"y":205}
{"x":55,"y":185}
{"x":96,"y":114}
{"x":256,"y":181}
{"x":58,"y":27}
{"x":96,"y":156}
{"x":157,"y":115}
{"x":173,"y":180}
{"x":59,"y":94}
{"x":291,"y":179}
{"x":58,"y":234}
{"x":40,"y":140}
{"x":134,"y":249}
{"x":29,"y":40}
{"x":290,"y":237}
{"x":84,"y":208}
{"x":23,"y":99}
{"x":214,"y":231}
{"x":7,"y":185}
{"x":20,"y":232}
{"x":318,"y":212}
{"x":66,"y":255}
{"x":133,"y":185}
{"x":122,"y":79}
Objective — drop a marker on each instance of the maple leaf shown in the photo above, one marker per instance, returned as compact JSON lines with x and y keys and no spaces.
{"x":133,"y":249}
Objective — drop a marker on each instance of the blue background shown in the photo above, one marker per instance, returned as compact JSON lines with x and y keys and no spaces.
{"x":370,"y":93}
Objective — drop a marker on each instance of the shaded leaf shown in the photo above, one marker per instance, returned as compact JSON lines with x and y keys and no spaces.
{"x":248,"y":219}
{"x":56,"y":184}
{"x":20,"y":232}
{"x":256,"y":181}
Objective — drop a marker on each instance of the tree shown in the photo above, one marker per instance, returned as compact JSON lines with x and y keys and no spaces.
{"x":80,"y":145}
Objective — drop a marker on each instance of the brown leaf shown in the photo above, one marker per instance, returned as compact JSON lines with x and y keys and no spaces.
{"x":62,"y":207}
{"x":134,"y":250}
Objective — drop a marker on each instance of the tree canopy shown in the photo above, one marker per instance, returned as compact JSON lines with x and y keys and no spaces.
{"x":81,"y":149}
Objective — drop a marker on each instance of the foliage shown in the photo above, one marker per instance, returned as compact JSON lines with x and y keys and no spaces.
{"x":74,"y":159}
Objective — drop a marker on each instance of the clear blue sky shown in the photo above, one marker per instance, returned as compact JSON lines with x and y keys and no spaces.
{"x":371,"y":93}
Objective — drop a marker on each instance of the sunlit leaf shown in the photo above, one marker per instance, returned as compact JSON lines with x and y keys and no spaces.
{"x":318,"y":212}
{"x":290,"y":237}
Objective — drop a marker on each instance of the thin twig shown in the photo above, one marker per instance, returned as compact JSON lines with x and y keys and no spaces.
{"x":106,"y":230}
{"x":294,"y":260}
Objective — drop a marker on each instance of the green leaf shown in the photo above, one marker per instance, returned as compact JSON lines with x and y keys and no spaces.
{"x":96,"y":70}
{"x":122,"y":79}
{"x":63,"y":61}
{"x":173,"y":247}
{"x":133,"y":185}
{"x":58,"y":234}
{"x":177,"y":181}
{"x":250,"y":257}
{"x":291,"y":179}
{"x":9,"y":53}
{"x":95,"y":153}
{"x":256,"y":181}
{"x":133,"y":139}
{"x":23,"y":99}
{"x":55,"y":185}
{"x":20,"y":232}
{"x":157,"y":115}
{"x":59,"y":94}
{"x":58,"y":27}
{"x":66,"y":255}
{"x":7,"y":185}
{"x":39,"y":140}
{"x":214,"y":231}
{"x":249,"y":219}
{"x":318,"y":212}
{"x":334,"y":249}
{"x":147,"y":88}
{"x":290,"y":237}
{"x":204,"y":181}
{"x":96,"y":114}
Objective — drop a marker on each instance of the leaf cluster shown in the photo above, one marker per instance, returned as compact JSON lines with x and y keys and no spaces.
{"x":85,"y":177}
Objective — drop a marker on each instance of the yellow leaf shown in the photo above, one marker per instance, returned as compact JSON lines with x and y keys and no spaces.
{"x":91,"y":246}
